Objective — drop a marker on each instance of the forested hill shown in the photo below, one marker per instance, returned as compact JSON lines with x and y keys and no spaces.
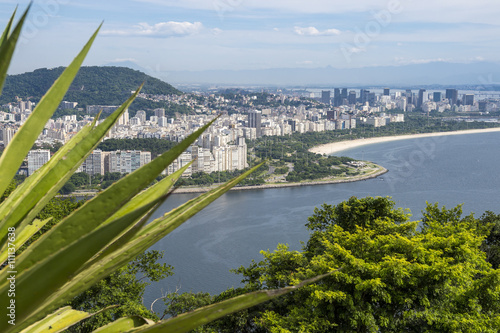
{"x":92,"y":86}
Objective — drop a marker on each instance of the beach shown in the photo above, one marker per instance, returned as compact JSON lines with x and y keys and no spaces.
{"x":335,"y":147}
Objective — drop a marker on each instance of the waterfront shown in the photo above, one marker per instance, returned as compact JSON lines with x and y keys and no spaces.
{"x":230,"y":232}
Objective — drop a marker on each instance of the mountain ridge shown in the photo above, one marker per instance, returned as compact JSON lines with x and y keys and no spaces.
{"x":93,"y":85}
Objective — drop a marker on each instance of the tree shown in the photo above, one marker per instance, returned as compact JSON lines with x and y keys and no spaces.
{"x":491,"y":244}
{"x":98,"y":238}
{"x":68,"y":188}
{"x":124,"y":288}
{"x":387,"y":275}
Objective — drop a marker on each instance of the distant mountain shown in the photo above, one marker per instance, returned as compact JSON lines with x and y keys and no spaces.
{"x":92,"y":85}
{"x":481,"y":74}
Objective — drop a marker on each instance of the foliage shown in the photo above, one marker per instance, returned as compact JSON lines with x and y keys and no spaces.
{"x":389,"y":276}
{"x":491,"y":244}
{"x":125,"y":288}
{"x":99,"y":237}
{"x":92,"y":86}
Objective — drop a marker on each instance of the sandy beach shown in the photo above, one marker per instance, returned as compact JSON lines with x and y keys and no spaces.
{"x":335,"y":147}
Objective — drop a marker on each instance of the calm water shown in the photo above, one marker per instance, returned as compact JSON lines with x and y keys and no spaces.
{"x":231,"y":231}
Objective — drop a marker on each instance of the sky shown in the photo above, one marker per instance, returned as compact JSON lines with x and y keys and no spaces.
{"x":168,"y":35}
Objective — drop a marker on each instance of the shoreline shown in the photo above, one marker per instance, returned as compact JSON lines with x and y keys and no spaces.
{"x":186,"y":190}
{"x":328,"y":148}
{"x":335,"y":147}
{"x":380,"y":171}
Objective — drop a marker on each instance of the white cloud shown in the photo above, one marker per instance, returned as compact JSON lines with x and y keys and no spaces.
{"x":312,"y":31}
{"x":162,"y":29}
{"x":305,"y":62}
{"x":216,"y":31}
{"x":403,"y":61}
{"x":124,"y":60}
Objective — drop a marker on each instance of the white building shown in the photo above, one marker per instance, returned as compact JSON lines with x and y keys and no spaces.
{"x":8,"y":134}
{"x":36,"y":159}
{"x":128,"y":161}
{"x":96,"y":163}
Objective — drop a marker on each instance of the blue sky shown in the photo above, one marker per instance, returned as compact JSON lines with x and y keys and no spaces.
{"x":166,"y":35}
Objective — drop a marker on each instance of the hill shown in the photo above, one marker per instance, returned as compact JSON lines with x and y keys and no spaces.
{"x":92,"y":86}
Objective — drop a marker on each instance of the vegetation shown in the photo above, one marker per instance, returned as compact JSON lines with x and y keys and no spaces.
{"x":92,"y":86}
{"x":390,"y":274}
{"x":99,"y":237}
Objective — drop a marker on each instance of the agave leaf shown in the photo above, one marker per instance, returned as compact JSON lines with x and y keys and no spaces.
{"x":152,"y":193}
{"x":58,"y":170}
{"x":138,"y":244}
{"x":94,"y":212}
{"x":191,"y":320}
{"x":24,"y":139}
{"x":7,"y":50}
{"x":19,"y":195}
{"x":124,"y":324}
{"x":23,"y":236}
{"x":57,"y":321}
{"x":27,"y":194}
{"x":60,"y":320}
{"x":6,"y":32}
{"x":35,"y":285}
{"x":179,"y":215}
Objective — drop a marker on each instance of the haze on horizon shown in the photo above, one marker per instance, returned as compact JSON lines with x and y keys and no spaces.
{"x":196,"y":35}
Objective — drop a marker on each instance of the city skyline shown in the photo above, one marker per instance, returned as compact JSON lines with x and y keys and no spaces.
{"x":163,"y":36}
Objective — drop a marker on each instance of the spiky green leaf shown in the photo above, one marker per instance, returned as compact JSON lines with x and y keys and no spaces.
{"x":94,"y":212}
{"x":23,"y":140}
{"x":124,"y":325}
{"x":7,"y":48}
{"x":22,"y":237}
{"x":37,"y":284}
{"x":191,"y":320}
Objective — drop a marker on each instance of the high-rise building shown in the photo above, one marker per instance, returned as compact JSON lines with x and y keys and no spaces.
{"x":345,"y":96}
{"x":95,"y":163}
{"x":162,"y":121}
{"x":124,"y":118}
{"x":325,"y":97}
{"x":337,"y":97}
{"x":352,"y":97}
{"x":127,"y":161}
{"x":332,"y":114}
{"x":141,"y":115}
{"x":452,"y":96}
{"x":254,"y":121}
{"x":36,"y":159}
{"x":7,"y":134}
{"x":468,"y":99}
{"x":409,"y":96}
{"x":160,"y":112}
{"x":436,"y":96}
{"x":371,"y":98}
{"x":421,"y":97}
{"x":387,"y":92}
{"x":363,"y":95}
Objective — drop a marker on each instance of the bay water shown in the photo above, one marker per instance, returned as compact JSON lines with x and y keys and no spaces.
{"x":450,"y":170}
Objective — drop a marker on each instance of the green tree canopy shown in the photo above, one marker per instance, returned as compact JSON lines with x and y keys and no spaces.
{"x":389,"y":274}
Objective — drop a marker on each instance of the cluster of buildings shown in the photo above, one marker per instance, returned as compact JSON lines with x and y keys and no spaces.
{"x":407,"y":100}
{"x":98,"y":162}
{"x":244,"y":117}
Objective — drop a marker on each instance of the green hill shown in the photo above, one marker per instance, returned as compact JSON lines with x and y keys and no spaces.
{"x":92,"y":86}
